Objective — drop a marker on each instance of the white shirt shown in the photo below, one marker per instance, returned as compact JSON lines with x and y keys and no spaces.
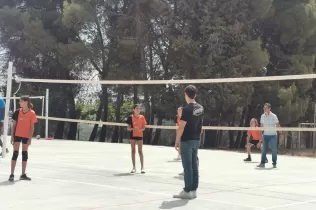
{"x":269,"y":121}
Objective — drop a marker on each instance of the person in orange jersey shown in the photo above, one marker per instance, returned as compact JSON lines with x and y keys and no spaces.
{"x":23,"y":121}
{"x":136,"y":125}
{"x":178,"y":117}
{"x":254,"y":139}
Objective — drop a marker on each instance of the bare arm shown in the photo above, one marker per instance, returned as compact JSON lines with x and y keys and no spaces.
{"x":13,"y":128}
{"x":129,"y":128}
{"x":180,"y":131}
{"x":32,"y":130}
{"x":3,"y":113}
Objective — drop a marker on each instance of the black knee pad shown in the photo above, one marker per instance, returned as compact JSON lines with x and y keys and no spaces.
{"x":15,"y":155}
{"x":25,"y":155}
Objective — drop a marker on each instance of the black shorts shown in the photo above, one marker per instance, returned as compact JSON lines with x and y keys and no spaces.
{"x":20,"y":139}
{"x":136,"y":138}
{"x":254,"y":142}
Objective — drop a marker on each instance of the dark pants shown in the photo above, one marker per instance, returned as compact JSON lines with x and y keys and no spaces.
{"x":272,"y":139}
{"x":189,"y":154}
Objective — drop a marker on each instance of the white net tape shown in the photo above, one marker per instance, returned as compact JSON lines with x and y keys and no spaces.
{"x":175,"y":127}
{"x":185,"y":81}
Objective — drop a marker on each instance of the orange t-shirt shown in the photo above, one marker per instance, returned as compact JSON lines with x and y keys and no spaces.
{"x":24,"y":122}
{"x":137,"y":122}
{"x":256,"y":135}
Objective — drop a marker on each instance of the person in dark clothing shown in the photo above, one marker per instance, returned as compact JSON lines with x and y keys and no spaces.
{"x":188,"y":137}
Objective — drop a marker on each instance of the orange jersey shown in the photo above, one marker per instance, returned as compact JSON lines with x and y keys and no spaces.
{"x":24,"y":121}
{"x":256,"y":135}
{"x":137,"y":122}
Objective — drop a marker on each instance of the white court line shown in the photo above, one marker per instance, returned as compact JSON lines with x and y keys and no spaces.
{"x":287,"y":205}
{"x":136,"y":190}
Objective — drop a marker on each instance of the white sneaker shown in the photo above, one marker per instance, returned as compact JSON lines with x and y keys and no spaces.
{"x":182,"y":174}
{"x":142,"y":171}
{"x":193,"y":193}
{"x":133,"y":170}
{"x":183,"y":195}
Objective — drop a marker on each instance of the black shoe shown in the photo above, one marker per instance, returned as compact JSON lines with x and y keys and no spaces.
{"x":24,"y":177}
{"x":11,"y":179}
{"x":248,"y":159}
{"x":267,"y":161}
{"x":274,"y":166}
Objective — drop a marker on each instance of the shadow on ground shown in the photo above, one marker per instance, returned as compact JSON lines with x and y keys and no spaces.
{"x":173,"y":204}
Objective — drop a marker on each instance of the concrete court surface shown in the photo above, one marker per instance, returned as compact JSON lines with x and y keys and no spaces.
{"x":94,"y":176}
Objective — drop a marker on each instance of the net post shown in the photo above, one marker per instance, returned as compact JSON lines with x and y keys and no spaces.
{"x":46,"y":112}
{"x":7,"y":108}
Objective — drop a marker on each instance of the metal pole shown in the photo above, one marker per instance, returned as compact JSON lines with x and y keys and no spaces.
{"x":314,"y":133}
{"x":7,"y":109}
{"x":299,"y":139}
{"x":46,"y":113}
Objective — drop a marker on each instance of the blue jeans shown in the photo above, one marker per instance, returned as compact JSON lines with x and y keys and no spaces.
{"x":189,"y":154}
{"x":272,"y":139}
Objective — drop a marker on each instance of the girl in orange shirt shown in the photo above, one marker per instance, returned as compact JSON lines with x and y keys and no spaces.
{"x":23,"y":121}
{"x":136,"y":125}
{"x":253,"y":138}
{"x":178,"y":117}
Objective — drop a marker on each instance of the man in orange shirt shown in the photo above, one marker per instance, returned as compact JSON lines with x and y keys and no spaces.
{"x":23,"y":121}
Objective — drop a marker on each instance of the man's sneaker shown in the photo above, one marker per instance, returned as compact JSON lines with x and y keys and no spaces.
{"x":142,"y":171}
{"x":11,"y":178}
{"x":261,"y":165}
{"x":184,"y":195}
{"x":274,"y":166}
{"x":24,"y":177}
{"x":248,"y":159}
{"x":133,"y":171}
{"x":193,"y":193}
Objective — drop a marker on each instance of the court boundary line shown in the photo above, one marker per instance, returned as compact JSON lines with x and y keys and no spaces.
{"x":136,"y":190}
{"x":287,"y":205}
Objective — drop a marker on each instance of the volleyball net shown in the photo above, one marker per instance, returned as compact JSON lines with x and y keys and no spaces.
{"x":301,"y":137}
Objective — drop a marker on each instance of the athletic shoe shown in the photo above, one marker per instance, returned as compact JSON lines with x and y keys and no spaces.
{"x":193,"y":193}
{"x":142,"y":171}
{"x":184,"y":195}
{"x":11,"y":178}
{"x":267,"y":161}
{"x":182,"y":174}
{"x":261,"y":165}
{"x":177,"y":158}
{"x":24,"y":177}
{"x":248,"y":159}
{"x":274,"y":166}
{"x":133,"y":171}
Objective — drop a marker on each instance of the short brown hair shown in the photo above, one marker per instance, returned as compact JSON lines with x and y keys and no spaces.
{"x":28,"y":100}
{"x":268,"y":105}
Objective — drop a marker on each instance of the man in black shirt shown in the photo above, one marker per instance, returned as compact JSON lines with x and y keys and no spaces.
{"x":189,"y":132}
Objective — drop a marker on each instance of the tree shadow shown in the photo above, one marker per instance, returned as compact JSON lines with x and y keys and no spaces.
{"x":123,"y":174}
{"x":8,"y":183}
{"x":179,"y":177}
{"x":173,"y":204}
{"x":173,"y":161}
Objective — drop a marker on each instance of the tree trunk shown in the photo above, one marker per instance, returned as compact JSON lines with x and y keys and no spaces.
{"x":147,"y":115}
{"x":95,"y":127}
{"x":231,"y":133}
{"x":240,"y":134}
{"x":73,"y":126}
{"x":60,"y":128}
{"x":104,"y":118}
{"x":119,"y":101}
{"x":158,"y":132}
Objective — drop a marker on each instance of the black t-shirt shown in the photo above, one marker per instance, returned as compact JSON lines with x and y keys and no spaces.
{"x":192,"y":114}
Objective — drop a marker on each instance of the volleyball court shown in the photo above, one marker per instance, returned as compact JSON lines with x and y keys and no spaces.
{"x":85,"y":175}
